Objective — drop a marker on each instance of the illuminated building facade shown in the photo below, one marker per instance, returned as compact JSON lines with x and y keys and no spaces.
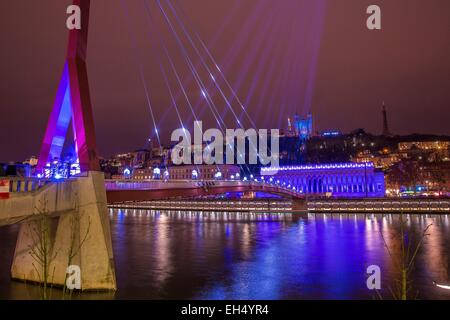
{"x":380,"y":160}
{"x":204,"y":172}
{"x":189,"y":172}
{"x":302,"y":128}
{"x":424,"y":145}
{"x":331,"y":133}
{"x":431,"y":151}
{"x":340,"y":179}
{"x":33,"y":161}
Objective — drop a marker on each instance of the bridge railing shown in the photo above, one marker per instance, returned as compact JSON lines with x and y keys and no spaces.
{"x":23,"y":185}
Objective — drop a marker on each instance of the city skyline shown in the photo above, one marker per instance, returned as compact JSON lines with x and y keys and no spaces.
{"x":412,"y":82}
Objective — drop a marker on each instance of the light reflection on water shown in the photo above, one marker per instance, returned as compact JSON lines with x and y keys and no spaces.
{"x":194,"y":255}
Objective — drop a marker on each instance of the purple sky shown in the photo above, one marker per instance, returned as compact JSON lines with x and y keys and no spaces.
{"x":281,"y":57}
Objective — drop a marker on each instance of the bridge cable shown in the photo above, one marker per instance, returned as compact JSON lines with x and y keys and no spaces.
{"x":141,"y":74}
{"x":197,"y":77}
{"x":188,"y":36}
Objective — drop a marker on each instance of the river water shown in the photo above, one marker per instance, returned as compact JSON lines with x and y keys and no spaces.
{"x":182,"y":255}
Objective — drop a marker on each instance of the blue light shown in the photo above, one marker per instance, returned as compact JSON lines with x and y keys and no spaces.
{"x":349,"y":165}
{"x":58,"y":176}
{"x":331,"y":133}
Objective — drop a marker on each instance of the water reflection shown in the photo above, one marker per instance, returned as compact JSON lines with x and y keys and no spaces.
{"x":198,"y":255}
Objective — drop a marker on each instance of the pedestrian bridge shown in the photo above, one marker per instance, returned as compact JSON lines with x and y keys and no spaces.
{"x":122,"y":191}
{"x":29,"y":196}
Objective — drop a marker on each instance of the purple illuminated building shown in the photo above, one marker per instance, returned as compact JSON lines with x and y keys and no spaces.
{"x":352,"y":180}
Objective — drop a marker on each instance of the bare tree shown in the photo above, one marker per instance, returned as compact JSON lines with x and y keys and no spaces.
{"x":74,"y":248}
{"x":41,"y":248}
{"x":404,"y":258}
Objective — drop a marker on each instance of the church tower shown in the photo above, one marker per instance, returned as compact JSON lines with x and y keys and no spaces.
{"x":386,"y":131}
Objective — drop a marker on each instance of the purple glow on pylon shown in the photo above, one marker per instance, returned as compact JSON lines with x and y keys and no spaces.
{"x":73,"y":103}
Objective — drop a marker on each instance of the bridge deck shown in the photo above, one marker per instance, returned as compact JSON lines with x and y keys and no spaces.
{"x":24,"y":199}
{"x":132,"y":191}
{"x":30,"y":197}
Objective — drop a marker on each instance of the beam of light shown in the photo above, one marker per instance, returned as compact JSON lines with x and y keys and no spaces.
{"x":222,"y":75}
{"x":319,"y":18}
{"x":171,"y":94}
{"x":254,"y":147}
{"x":245,"y":32}
{"x":286,"y":83}
{"x":442,"y":286}
{"x":318,"y":12}
{"x":141,"y":73}
{"x":259,"y":57}
{"x":200,"y":83}
{"x":205,"y":65}
{"x":168,"y":57}
{"x":259,"y":53}
{"x":191,"y":66}
{"x":172,"y":97}
{"x":152,"y":26}
{"x":263,"y":62}
{"x":236,"y":6}
{"x":188,"y":36}
{"x":268,"y":75}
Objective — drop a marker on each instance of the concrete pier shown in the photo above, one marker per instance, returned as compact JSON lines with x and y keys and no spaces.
{"x":64,"y":223}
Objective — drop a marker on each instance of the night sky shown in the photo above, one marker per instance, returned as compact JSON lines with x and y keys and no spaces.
{"x":281,"y":57}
